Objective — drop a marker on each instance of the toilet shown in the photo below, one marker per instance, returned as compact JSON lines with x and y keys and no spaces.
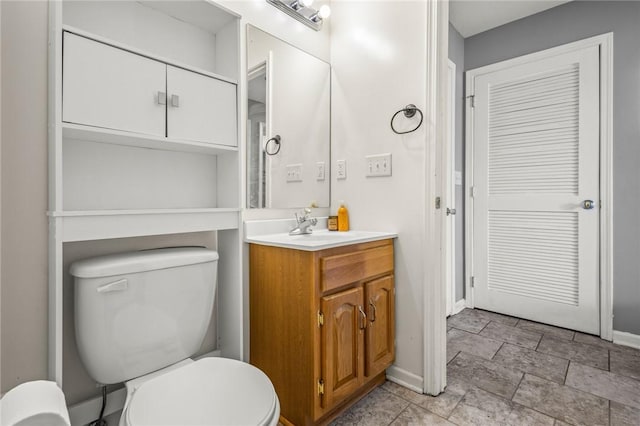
{"x":140,"y":316}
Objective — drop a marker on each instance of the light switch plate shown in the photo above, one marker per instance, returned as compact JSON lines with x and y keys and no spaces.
{"x":341,"y":170}
{"x":294,"y":173}
{"x":320,"y":170}
{"x":378,"y":165}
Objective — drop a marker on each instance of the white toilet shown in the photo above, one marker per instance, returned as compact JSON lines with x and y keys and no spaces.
{"x":140,"y":316}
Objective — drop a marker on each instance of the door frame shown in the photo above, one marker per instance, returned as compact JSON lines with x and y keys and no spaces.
{"x":450,"y":273}
{"x":434,"y":220}
{"x":605,"y":44}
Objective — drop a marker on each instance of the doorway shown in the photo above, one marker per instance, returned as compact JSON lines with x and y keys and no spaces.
{"x":537,"y":173}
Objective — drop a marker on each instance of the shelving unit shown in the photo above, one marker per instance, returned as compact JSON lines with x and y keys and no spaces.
{"x":139,"y":140}
{"x":109,"y":183}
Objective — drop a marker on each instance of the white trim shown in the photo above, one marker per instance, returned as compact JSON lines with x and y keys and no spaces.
{"x":404,"y":378}
{"x":459,"y":306}
{"x":605,"y":43}
{"x":626,"y":339}
{"x":468,"y":196}
{"x":606,"y":186}
{"x":434,"y":311}
{"x":54,"y":143}
{"x":450,"y":199}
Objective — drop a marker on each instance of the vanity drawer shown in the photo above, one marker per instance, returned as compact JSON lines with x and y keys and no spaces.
{"x":337,"y":271}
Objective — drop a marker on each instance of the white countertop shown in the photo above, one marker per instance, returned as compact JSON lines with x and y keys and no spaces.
{"x":320,"y":239}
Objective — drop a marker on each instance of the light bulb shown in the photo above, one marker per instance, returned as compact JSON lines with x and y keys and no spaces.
{"x":324,"y":12}
{"x":305,"y":3}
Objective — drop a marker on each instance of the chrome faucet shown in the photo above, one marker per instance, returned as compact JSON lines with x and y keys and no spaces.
{"x":304,"y":223}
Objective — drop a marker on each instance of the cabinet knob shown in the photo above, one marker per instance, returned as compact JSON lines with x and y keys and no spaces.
{"x":162,"y":98}
{"x":175,"y":101}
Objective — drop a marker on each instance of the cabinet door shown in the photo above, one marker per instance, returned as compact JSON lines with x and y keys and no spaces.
{"x":342,"y":345}
{"x":380,"y":333}
{"x":200,"y":108}
{"x":111,"y":88}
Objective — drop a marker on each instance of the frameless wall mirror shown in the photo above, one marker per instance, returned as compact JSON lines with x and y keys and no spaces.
{"x":288,"y":125}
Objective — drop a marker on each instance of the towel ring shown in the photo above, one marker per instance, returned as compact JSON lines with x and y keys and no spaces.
{"x":276,"y":141}
{"x":409,"y":111}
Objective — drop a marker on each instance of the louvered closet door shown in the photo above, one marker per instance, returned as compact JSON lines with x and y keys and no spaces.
{"x":535,"y":162}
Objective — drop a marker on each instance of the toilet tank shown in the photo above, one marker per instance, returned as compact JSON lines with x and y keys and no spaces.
{"x":142,"y":311}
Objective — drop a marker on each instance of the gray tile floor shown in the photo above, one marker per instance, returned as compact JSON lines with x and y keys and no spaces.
{"x":508,"y":371}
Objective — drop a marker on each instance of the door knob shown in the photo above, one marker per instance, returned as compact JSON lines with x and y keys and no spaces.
{"x":588,"y":204}
{"x":450,"y":211}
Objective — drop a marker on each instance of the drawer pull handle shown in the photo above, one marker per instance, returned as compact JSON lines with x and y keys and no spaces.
{"x":374,"y":312}
{"x":363,"y":324}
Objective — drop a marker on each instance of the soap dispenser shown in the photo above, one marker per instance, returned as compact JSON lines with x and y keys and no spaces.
{"x":343,"y":217}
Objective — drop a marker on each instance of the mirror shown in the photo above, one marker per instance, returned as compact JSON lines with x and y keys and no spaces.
{"x":288,"y":125}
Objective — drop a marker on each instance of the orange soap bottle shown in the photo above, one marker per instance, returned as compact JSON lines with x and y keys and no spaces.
{"x":343,"y":217}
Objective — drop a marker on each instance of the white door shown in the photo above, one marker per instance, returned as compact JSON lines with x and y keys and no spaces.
{"x":535,"y":165}
{"x":111,"y":88}
{"x":200,"y":108}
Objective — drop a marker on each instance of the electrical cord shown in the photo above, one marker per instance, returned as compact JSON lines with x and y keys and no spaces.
{"x":101,"y":421}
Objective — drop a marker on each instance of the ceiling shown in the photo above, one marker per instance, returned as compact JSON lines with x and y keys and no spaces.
{"x":471,"y":17}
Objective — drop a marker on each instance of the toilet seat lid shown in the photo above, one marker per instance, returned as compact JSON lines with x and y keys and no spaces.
{"x":210,"y":391}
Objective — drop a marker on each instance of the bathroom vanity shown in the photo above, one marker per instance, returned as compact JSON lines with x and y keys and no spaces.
{"x":322,"y":318}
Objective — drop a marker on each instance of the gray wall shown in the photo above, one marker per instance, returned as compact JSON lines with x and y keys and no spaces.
{"x":564,"y":24}
{"x":456,"y":54}
{"x":24,"y":192}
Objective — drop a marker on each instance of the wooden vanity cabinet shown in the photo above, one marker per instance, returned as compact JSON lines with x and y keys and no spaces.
{"x":322,"y":325}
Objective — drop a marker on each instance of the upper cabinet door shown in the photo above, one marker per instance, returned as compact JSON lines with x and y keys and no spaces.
{"x":107,"y":87}
{"x":200,"y":108}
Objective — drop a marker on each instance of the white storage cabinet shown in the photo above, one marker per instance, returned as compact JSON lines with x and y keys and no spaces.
{"x":108,"y":87}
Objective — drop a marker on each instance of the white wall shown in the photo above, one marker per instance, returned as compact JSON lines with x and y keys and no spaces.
{"x":378,"y":54}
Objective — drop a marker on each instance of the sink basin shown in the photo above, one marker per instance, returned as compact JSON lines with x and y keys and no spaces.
{"x":319,"y":239}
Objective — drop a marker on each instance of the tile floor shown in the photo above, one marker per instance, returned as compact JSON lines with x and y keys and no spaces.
{"x":508,"y":371}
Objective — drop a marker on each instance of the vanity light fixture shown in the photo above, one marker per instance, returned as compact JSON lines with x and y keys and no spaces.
{"x":303,"y":12}
{"x":323,"y":13}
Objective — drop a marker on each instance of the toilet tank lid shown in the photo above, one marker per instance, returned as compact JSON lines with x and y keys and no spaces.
{"x":141,"y":261}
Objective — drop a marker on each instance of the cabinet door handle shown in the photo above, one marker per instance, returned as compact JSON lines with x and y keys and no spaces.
{"x":374,"y":312}
{"x":363,"y":324}
{"x":162,"y":98}
{"x":175,"y":101}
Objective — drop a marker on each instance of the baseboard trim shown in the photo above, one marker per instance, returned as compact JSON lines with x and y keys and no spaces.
{"x":85,"y":412}
{"x":404,"y":378}
{"x":459,"y":306}
{"x":626,"y":339}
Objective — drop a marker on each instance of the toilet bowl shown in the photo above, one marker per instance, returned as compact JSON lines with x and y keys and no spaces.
{"x":210,"y":391}
{"x":139,"y":317}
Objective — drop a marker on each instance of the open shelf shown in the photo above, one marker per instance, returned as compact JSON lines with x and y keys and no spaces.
{"x":103,"y":224}
{"x":117,"y":137}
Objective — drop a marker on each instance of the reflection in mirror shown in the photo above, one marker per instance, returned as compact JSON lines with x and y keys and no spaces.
{"x":288,"y":133}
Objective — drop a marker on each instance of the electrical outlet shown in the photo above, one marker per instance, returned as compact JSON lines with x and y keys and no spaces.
{"x":294,"y":173}
{"x":320,"y":170}
{"x":378,"y":165}
{"x":341,"y":171}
